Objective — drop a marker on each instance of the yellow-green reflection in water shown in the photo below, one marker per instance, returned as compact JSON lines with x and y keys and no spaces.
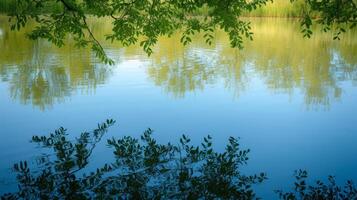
{"x":41,"y":74}
{"x":279,"y":55}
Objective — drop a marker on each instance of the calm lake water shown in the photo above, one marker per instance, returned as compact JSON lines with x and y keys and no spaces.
{"x":292,"y":101}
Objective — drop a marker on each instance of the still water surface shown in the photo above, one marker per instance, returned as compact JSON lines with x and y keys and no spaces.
{"x":292,"y":101}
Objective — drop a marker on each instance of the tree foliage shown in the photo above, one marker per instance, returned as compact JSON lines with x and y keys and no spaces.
{"x":325,"y":191}
{"x":131,"y":19}
{"x":336,"y":15}
{"x":144,"y":169}
{"x":141,"y":170}
{"x":143,"y":21}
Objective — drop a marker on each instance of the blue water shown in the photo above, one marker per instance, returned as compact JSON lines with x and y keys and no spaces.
{"x":283,"y":130}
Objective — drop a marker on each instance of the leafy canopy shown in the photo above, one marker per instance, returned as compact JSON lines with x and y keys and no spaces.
{"x":145,"y":169}
{"x":149,"y":19}
{"x":320,"y":190}
{"x":134,"y":18}
{"x":331,"y":14}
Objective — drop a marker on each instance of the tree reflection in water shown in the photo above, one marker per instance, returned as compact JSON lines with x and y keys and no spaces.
{"x":284,"y":60}
{"x":144,"y":169}
{"x":141,"y":170}
{"x":40,"y":74}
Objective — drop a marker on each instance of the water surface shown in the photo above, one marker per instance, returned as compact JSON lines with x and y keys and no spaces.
{"x":292,"y":101}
